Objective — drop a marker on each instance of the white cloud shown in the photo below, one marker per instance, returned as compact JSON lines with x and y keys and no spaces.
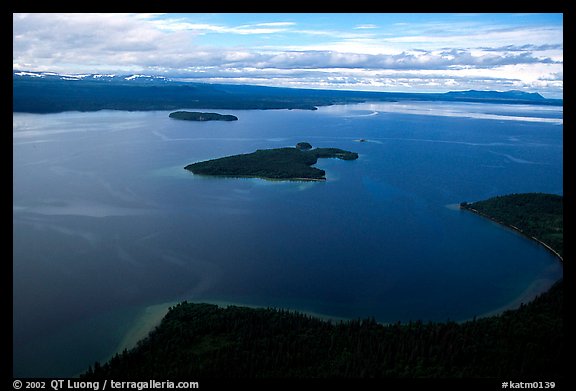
{"x":179,"y":24}
{"x":274,"y":24}
{"x":366,"y":26}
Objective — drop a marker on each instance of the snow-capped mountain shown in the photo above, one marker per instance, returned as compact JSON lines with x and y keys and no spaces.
{"x":91,"y":76}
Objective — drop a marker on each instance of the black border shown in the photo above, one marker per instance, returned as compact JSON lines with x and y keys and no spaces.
{"x":339,"y":7}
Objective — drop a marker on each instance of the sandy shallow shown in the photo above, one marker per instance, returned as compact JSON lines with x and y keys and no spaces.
{"x":536,"y":288}
{"x":147,"y":321}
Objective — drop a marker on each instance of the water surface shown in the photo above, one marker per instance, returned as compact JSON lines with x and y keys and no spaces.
{"x":108,"y":223}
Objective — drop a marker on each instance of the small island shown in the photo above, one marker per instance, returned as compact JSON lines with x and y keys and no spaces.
{"x":289,"y":163}
{"x":538,"y":216}
{"x":198,"y":116}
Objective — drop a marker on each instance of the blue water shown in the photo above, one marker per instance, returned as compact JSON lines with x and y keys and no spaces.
{"x":106,"y":220}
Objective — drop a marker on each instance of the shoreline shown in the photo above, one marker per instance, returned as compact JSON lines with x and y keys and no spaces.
{"x":532,"y":291}
{"x":546,"y":246}
{"x":151,"y":316}
{"x":261,"y":177}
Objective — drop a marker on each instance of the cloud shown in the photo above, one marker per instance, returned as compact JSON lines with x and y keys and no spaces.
{"x":470,"y":35}
{"x":554,"y":76}
{"x":274,"y":24}
{"x":406,"y":60}
{"x":524,"y":48}
{"x":365,"y":26}
{"x":179,"y":24}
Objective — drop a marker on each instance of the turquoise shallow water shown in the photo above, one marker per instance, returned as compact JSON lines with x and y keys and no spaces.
{"x":107,"y":222}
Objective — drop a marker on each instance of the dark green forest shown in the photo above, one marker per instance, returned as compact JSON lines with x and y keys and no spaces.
{"x":37,"y":95}
{"x":538,"y":215}
{"x":196,"y":341}
{"x":199,"y":116}
{"x":304,"y":146}
{"x":279,"y":163}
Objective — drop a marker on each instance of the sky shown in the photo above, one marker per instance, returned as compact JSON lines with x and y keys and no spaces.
{"x":394,"y":52}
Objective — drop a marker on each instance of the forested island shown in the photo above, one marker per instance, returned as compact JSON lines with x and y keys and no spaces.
{"x":199,"y":341}
{"x":538,"y":216}
{"x":277,"y":164}
{"x":198,"y":116}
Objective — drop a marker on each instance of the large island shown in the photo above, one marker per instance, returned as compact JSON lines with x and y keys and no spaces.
{"x":198,"y":116}
{"x":276,"y":164}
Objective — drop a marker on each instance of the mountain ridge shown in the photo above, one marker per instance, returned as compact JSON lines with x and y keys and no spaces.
{"x":505,"y":94}
{"x":50,"y":92}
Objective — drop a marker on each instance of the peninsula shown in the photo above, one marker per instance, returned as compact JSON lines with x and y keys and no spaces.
{"x":538,"y":216}
{"x":287,"y":163}
{"x":198,"y":116}
{"x":204,"y":341}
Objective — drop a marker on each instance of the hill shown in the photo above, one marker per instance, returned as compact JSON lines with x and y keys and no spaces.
{"x":45,"y":92}
{"x":497,"y":95}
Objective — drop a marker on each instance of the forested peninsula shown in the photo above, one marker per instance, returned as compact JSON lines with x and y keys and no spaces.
{"x":199,"y":116}
{"x":276,"y":164}
{"x":199,"y":341}
{"x":539,"y":216}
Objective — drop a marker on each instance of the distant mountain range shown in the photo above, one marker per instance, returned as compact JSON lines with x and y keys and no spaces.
{"x":91,"y":76}
{"x":49,"y":92}
{"x":513,"y":94}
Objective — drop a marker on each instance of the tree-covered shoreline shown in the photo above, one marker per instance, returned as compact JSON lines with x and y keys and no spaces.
{"x":206,"y":341}
{"x":539,"y":216}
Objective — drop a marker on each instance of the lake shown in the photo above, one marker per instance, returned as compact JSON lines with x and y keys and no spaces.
{"x":107,"y":224}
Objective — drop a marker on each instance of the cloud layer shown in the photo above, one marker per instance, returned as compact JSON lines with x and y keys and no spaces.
{"x":410,"y":57}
